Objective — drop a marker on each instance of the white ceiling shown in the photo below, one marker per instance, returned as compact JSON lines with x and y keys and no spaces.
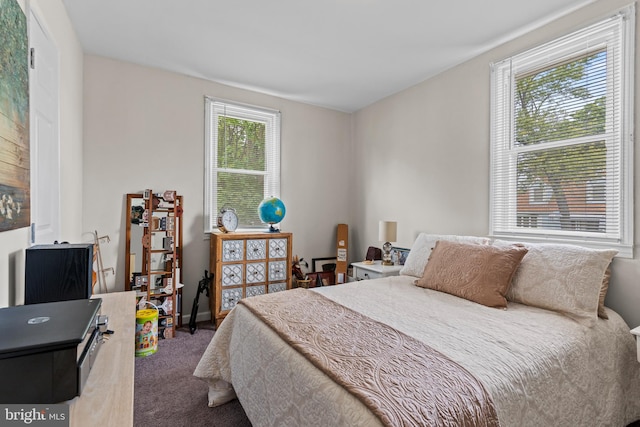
{"x":340,"y":54}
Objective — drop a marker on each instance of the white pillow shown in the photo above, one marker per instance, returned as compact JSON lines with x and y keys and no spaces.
{"x":421,"y":249}
{"x":562,"y":278}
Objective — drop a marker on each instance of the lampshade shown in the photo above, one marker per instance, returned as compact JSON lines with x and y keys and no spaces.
{"x":387,"y":231}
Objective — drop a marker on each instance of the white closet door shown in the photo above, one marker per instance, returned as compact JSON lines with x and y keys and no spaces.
{"x":45,"y":141}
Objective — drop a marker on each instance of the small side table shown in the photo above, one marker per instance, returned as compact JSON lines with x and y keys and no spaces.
{"x":363,"y":271}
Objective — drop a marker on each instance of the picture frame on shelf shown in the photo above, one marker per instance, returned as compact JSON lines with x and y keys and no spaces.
{"x":324,"y":264}
{"x":399,"y":255}
{"x":328,"y":278}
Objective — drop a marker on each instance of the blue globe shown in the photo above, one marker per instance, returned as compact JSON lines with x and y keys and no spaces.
{"x":271,"y":211}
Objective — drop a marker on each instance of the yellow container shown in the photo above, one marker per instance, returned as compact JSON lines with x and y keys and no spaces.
{"x":146,"y":332}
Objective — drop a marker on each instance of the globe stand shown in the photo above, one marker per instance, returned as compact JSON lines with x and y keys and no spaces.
{"x":272,"y":229}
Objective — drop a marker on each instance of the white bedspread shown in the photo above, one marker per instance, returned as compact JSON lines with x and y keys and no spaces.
{"x":540,"y":368}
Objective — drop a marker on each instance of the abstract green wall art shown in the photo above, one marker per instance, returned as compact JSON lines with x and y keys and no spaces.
{"x":15,"y":202}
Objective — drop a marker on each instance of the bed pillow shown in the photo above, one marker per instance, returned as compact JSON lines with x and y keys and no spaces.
{"x":564,"y":278}
{"x":602,"y":313}
{"x":476,"y":272}
{"x":421,"y":249}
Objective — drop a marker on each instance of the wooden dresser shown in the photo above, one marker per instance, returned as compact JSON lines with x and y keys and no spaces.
{"x":247,"y":264}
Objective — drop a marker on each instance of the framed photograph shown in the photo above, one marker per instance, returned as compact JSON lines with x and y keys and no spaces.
{"x":328,"y":278}
{"x":324,"y":264}
{"x":399,"y":255}
{"x":15,"y":189}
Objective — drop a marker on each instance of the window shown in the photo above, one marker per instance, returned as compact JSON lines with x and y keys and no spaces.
{"x":596,"y":191}
{"x":242,"y":151}
{"x":561,"y":139}
{"x":540,"y":193}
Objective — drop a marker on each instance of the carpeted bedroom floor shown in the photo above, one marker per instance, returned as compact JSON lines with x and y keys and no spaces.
{"x":167,"y":394}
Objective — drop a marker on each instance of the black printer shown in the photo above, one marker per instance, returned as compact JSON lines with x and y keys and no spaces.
{"x":47,"y":350}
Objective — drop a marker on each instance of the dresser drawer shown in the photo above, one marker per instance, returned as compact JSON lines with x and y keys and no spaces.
{"x":230,"y":298}
{"x":277,"y":270}
{"x":232,"y":250}
{"x":232,"y":275}
{"x":278,"y":248}
{"x":366,"y":271}
{"x":277,"y":287}
{"x":256,"y":249}
{"x":255,"y":290}
{"x":256,"y":272}
{"x":362,"y":274}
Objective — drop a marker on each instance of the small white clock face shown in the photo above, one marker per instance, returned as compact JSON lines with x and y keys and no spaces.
{"x":229,"y":221}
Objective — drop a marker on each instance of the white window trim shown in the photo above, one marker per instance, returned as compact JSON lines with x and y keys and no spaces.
{"x":245,"y":111}
{"x":503,"y":80}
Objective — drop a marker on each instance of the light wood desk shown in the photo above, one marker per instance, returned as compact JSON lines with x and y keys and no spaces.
{"x":107,"y":397}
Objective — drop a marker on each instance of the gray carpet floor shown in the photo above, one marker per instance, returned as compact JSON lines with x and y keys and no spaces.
{"x":167,"y":394}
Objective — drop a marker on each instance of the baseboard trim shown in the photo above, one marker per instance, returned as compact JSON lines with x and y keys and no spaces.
{"x":201,"y":317}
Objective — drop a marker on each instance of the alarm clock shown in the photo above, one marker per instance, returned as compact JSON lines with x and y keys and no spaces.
{"x":227,"y":220}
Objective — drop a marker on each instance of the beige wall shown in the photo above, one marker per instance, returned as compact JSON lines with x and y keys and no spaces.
{"x":54,"y":18}
{"x":423,"y":155}
{"x":144,"y":128}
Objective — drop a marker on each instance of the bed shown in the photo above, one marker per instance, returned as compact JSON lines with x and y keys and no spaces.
{"x":561,"y":365}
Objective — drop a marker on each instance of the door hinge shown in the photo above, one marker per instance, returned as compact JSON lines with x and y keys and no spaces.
{"x":32,"y":58}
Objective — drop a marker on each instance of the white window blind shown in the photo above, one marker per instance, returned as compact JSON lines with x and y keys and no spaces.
{"x":562,"y":121}
{"x":242,"y":152}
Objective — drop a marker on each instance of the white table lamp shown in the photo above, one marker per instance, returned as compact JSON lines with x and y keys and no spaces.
{"x":387,"y":233}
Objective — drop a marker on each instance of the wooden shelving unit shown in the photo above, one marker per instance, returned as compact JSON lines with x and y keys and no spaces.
{"x":156,"y":277}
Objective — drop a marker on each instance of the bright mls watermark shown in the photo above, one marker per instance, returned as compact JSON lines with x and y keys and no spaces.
{"x":34,"y":415}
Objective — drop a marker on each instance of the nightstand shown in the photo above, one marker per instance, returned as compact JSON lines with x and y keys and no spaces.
{"x":362,"y":271}
{"x":636,"y":332}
